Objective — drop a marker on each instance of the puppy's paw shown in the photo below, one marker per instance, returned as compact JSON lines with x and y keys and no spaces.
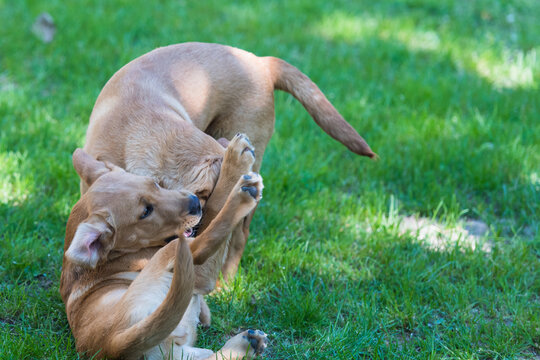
{"x":249,"y":343}
{"x":258,"y":340}
{"x":239,"y":156}
{"x":245,"y":195}
{"x":250,"y":186}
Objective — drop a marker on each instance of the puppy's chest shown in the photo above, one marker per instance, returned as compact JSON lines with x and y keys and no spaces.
{"x":131,"y":262}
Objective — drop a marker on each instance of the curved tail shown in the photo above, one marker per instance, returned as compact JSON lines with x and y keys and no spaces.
{"x":288,"y":78}
{"x":151,"y":331}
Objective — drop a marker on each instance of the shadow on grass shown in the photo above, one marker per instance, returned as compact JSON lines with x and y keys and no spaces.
{"x":463,"y":140}
{"x":39,"y":187}
{"x":381,"y":294}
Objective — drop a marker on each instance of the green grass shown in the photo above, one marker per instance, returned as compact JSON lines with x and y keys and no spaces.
{"x":446,"y":92}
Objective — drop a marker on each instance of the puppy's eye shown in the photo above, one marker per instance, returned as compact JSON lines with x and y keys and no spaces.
{"x":147,"y":211}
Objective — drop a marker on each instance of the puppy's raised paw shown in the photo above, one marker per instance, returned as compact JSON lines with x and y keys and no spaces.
{"x":240,"y":154}
{"x":251,"y":184}
{"x":245,"y":195}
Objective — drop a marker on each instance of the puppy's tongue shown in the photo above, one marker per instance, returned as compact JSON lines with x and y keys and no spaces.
{"x":188,"y":232}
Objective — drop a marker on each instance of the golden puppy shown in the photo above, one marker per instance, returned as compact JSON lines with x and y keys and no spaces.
{"x":128,"y":278}
{"x":160,"y":114}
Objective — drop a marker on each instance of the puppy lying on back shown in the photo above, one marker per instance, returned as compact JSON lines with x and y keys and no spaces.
{"x":128,"y":274}
{"x":160,"y":114}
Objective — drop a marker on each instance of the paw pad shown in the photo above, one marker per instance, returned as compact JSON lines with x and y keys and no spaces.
{"x":257,"y":340}
{"x":250,"y":150}
{"x":251,"y":190}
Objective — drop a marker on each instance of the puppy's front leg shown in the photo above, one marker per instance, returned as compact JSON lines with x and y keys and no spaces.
{"x":238,"y":160}
{"x":218,"y":223}
{"x":242,"y":199}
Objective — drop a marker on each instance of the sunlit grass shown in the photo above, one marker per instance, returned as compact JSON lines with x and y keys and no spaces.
{"x":513,"y":71}
{"x":492,"y":59}
{"x":343,"y":26}
{"x":14,"y":188}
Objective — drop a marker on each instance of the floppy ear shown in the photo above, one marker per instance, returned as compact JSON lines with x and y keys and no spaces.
{"x":92,"y":241}
{"x":88,"y":168}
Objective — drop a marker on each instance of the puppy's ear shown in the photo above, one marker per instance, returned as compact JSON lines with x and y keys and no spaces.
{"x":88,"y":168}
{"x":92,"y":241}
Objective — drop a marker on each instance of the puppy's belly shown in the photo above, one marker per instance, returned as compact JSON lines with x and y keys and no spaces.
{"x":111,"y":298}
{"x":151,"y":297}
{"x":148,"y":300}
{"x":183,"y":338}
{"x":186,"y":332}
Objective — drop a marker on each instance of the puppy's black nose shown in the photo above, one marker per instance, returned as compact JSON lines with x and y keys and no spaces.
{"x":194,"y":205}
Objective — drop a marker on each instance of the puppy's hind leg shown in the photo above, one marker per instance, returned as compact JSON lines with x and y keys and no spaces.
{"x":205,"y":316}
{"x":140,"y":325}
{"x":245,"y":345}
{"x":173,"y":351}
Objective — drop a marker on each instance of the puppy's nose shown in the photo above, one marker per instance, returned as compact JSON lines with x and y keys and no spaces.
{"x":194,"y":205}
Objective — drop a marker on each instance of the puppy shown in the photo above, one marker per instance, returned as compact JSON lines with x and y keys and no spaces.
{"x":160,"y":114}
{"x":128,"y":278}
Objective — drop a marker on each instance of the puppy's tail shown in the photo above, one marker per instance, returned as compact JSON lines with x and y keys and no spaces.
{"x":144,"y":335}
{"x":288,"y":78}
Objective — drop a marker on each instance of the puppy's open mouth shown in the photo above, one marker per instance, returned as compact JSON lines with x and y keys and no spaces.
{"x":190,"y":232}
{"x":191,"y":229}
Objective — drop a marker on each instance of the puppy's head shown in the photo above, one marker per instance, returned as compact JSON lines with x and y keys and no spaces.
{"x":192,"y":164}
{"x":204,"y":175}
{"x":123,"y":212}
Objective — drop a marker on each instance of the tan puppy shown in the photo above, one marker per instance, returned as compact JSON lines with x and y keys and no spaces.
{"x":128,"y":293}
{"x":153,"y":116}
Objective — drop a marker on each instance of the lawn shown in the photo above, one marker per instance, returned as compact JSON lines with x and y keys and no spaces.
{"x":446,"y":92}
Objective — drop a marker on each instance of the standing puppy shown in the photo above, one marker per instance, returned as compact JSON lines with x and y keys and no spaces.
{"x":160,"y":114}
